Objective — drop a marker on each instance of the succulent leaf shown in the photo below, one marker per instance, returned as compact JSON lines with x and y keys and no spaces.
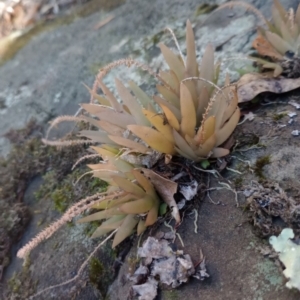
{"x":125,"y":229}
{"x":188,"y":112}
{"x":132,"y":104}
{"x":138,"y":147}
{"x":128,"y":186}
{"x":139,"y":206}
{"x":153,"y":138}
{"x":159,"y":123}
{"x":175,"y":64}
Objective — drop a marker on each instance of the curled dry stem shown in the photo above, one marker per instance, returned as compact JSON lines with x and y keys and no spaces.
{"x":81,"y":159}
{"x":176,"y":43}
{"x":72,"y":212}
{"x":128,"y":62}
{"x":60,"y":119}
{"x":80,"y":271}
{"x":245,"y":5}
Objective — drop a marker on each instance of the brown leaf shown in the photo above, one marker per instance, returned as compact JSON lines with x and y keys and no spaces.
{"x":265,"y":48}
{"x":166,"y":189}
{"x":250,"y":85}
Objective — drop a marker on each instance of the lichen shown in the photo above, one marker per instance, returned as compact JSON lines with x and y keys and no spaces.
{"x":289,"y":255}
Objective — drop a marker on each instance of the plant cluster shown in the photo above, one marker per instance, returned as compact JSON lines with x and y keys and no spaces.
{"x":278,"y":40}
{"x":191,"y":117}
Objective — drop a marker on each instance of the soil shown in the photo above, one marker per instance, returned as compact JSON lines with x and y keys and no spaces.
{"x":43,"y":80}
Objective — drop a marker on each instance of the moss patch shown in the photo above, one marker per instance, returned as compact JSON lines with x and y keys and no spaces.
{"x":259,"y":165}
{"x":101,"y":273}
{"x":20,"y":285}
{"x":29,"y":158}
{"x":278,"y":117}
{"x":205,"y":8}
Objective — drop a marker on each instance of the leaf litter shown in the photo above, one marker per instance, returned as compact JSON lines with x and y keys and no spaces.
{"x":163,"y":264}
{"x":271,"y":209}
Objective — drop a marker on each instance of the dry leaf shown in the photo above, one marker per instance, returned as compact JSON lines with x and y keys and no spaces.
{"x":250,"y":85}
{"x":166,"y":189}
{"x":264,"y":48}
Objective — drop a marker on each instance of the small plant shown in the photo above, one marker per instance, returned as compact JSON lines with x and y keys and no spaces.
{"x":278,"y":40}
{"x":191,"y":118}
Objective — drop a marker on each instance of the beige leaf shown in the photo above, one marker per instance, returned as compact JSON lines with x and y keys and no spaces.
{"x":141,"y":227}
{"x":135,"y":146}
{"x":160,"y":124}
{"x":219,"y":152}
{"x":152,"y":214}
{"x":188,"y":113}
{"x":140,"y":94}
{"x":107,"y":226}
{"x":139,"y":206}
{"x":173,"y":61}
{"x":112,"y":99}
{"x":153,"y":138}
{"x":207,"y":67}
{"x":101,"y":100}
{"x":182,"y":144}
{"x":172,"y":120}
{"x":250,"y":85}
{"x":208,"y":130}
{"x":278,"y":43}
{"x":132,"y":104}
{"x":111,"y":128}
{"x":191,"y":61}
{"x":128,"y":186}
{"x":96,"y":136}
{"x":160,"y":101}
{"x":125,"y":229}
{"x":223,"y":134}
{"x":166,"y":189}
{"x":169,"y":95}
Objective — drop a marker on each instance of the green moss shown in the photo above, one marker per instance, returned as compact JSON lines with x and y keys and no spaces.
{"x":96,"y":271}
{"x":155,"y":39}
{"x":238,"y":182}
{"x":30,"y":158}
{"x":277,"y":117}
{"x":246,"y":70}
{"x":205,"y":8}
{"x":91,"y":227}
{"x":259,"y":165}
{"x":21,"y":285}
{"x":170,"y":295}
{"x":66,"y":192}
{"x":101,"y":273}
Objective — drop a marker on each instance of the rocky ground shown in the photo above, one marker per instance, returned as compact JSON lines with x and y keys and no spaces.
{"x":44,"y":79}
